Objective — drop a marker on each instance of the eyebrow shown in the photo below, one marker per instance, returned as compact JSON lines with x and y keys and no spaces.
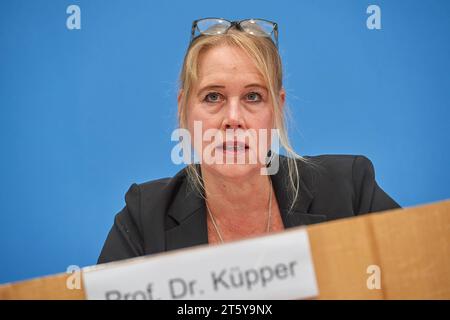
{"x":222,"y":87}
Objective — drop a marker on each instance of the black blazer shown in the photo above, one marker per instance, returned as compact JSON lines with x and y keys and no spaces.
{"x":165,"y":214}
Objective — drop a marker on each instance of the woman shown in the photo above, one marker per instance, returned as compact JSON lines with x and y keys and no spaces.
{"x":231,"y":81}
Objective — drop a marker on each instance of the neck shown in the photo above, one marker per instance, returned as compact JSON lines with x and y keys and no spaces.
{"x":237,"y":199}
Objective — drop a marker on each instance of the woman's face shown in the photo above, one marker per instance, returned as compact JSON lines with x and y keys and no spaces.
{"x":231,"y":102}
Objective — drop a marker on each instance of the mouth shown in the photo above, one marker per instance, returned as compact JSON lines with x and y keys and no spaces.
{"x":233,"y":147}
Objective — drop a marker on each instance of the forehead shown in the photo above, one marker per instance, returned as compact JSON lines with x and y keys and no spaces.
{"x":227,"y":63}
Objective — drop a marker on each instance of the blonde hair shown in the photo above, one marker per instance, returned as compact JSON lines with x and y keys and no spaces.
{"x":267,"y":60}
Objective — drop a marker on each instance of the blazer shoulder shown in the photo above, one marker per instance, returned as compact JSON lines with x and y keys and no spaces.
{"x":151,"y":187}
{"x":137,"y":199}
{"x":342,"y":166}
{"x":147,"y":196}
{"x":338,"y":178}
{"x":336,"y":159}
{"x":349,"y":179}
{"x":138,"y":192}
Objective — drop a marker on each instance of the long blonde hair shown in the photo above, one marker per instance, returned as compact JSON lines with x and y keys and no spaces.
{"x":267,"y":60}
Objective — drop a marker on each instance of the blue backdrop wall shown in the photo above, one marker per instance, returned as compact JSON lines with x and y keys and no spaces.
{"x":85,"y":113}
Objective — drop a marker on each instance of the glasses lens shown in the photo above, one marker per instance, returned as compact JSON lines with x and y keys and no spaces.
{"x":212,"y":26}
{"x":258,"y":27}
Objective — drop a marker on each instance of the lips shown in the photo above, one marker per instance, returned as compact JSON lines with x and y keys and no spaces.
{"x":233,"y":146}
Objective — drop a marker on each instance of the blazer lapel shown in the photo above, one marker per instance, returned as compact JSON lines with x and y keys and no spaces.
{"x":189,"y":210}
{"x":299,"y":213}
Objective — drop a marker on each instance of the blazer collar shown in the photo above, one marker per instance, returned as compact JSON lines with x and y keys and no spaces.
{"x":189,"y":210}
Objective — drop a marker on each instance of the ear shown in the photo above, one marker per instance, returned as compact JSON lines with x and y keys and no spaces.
{"x":282,"y":98}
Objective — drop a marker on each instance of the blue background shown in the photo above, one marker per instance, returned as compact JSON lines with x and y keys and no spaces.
{"x":85,"y":113}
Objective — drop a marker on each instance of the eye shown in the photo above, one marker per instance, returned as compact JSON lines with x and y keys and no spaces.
{"x":254,"y":97}
{"x":213,"y":97}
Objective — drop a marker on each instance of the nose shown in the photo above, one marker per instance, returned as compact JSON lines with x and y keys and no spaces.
{"x":233,"y":115}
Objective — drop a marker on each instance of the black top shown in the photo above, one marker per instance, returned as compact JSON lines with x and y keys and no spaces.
{"x":165,"y":214}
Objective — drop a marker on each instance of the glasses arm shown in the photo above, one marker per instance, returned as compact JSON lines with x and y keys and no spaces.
{"x":194,"y":26}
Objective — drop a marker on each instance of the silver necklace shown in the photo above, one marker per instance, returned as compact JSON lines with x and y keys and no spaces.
{"x":269,"y":215}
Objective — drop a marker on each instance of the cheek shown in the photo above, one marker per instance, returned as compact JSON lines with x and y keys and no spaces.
{"x":198,"y":113}
{"x":262,"y":120}
{"x":198,"y":121}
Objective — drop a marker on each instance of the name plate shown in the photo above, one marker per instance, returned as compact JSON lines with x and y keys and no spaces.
{"x":277,"y":266}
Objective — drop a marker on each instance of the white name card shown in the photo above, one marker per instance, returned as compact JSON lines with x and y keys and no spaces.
{"x":277,"y":266}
